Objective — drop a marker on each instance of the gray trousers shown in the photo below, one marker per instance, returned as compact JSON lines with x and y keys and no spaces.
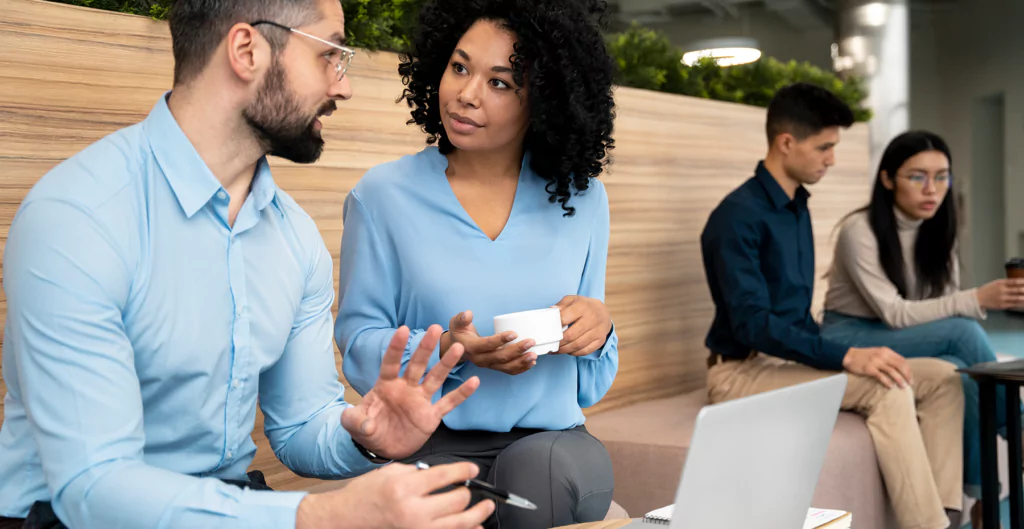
{"x":567,"y":474}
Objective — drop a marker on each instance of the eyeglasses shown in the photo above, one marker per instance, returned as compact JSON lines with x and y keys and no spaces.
{"x":920,"y":181}
{"x":340,"y":57}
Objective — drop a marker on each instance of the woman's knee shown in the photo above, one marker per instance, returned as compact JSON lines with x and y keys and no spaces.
{"x":562,"y":454}
{"x":970,"y":341}
{"x":573,"y":467}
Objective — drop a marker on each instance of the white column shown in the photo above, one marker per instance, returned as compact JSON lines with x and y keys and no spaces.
{"x":873,"y":43}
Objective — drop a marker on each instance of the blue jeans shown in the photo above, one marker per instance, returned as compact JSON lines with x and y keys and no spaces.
{"x":958,"y":340}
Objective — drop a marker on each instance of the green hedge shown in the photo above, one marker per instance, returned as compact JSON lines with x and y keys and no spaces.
{"x":370,"y":24}
{"x":381,"y":24}
{"x":645,"y":58}
{"x":151,"y":8}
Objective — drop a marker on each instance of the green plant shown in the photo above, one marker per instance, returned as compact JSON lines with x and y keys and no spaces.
{"x":156,"y":9}
{"x":646,"y":59}
{"x":370,"y":24}
{"x":381,"y":24}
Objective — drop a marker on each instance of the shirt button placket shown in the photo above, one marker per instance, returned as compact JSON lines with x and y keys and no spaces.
{"x":239,"y":341}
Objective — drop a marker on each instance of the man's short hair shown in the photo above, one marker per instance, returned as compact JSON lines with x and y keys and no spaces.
{"x":804,"y":110}
{"x":198,"y":27}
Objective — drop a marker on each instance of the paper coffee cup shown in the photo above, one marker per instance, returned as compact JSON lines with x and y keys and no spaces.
{"x":1015,"y":268}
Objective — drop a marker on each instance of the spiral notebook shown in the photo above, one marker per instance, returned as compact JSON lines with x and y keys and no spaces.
{"x":816,"y":518}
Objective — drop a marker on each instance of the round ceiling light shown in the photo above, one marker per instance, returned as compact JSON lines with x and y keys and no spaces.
{"x":725,"y":52}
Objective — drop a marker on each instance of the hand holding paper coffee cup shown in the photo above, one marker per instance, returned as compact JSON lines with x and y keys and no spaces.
{"x":543,"y":326}
{"x":1004,"y":294}
{"x":1015,"y":268}
{"x":1015,"y":271}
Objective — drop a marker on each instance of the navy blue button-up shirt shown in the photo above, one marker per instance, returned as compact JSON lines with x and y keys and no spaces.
{"x":758,"y":250}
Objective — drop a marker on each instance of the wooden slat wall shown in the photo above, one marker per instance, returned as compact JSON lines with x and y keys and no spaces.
{"x":69,"y":75}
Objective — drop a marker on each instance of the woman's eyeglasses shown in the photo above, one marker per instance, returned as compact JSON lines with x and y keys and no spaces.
{"x":920,"y":181}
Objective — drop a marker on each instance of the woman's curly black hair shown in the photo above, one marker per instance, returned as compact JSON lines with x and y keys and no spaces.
{"x":560,"y":47}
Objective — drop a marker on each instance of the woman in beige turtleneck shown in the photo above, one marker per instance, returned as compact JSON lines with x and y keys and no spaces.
{"x":895,"y":279}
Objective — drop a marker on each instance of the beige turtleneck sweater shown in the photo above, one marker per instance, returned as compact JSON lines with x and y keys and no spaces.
{"x":859,"y":287}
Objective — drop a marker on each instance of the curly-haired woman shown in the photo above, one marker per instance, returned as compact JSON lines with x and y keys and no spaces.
{"x":503,"y":214}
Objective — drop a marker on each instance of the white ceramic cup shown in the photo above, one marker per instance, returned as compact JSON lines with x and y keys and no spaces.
{"x":543,"y":326}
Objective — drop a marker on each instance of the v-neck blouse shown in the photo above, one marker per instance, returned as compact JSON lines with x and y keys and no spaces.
{"x":412,"y":256}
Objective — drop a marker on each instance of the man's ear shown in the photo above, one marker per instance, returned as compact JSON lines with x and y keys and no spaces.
{"x":248,"y":52}
{"x":785,"y":143}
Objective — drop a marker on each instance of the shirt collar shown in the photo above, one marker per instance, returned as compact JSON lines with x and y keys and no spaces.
{"x":776,"y":195}
{"x":264,"y":189}
{"x":190,"y":178}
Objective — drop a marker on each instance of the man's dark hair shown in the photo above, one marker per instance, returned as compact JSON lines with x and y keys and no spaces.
{"x":198,"y":27}
{"x":804,"y":110}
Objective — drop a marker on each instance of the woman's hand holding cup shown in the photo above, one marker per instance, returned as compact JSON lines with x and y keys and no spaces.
{"x":589,"y":324}
{"x":495,"y":352}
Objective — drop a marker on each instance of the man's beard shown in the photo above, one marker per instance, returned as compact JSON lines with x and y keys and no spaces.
{"x":280,"y":124}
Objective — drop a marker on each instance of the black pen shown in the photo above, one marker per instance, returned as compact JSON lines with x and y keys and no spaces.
{"x":490,"y":492}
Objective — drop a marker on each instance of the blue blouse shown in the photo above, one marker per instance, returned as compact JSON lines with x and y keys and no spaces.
{"x":413,"y":256}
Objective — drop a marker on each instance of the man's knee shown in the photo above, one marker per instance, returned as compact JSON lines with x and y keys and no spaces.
{"x":937,"y":380}
{"x":934,"y":370}
{"x":900,"y":400}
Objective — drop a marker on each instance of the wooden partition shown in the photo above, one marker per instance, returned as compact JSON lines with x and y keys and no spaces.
{"x":69,"y":76}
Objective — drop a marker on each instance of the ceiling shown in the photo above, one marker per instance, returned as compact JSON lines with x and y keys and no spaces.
{"x":799,"y":14}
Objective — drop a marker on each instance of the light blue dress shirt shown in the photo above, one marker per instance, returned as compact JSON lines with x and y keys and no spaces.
{"x":141,"y":328}
{"x":413,"y":256}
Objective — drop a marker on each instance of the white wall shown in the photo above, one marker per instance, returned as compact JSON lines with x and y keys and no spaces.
{"x":963,"y":53}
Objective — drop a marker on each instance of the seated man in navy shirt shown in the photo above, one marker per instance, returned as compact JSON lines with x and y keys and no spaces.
{"x":758,"y":250}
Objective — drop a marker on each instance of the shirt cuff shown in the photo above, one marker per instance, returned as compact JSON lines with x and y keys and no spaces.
{"x":356,"y":462}
{"x":611,"y":341}
{"x":269,"y":509}
{"x":971,"y":305}
{"x":436,"y":357}
{"x":833,"y":354}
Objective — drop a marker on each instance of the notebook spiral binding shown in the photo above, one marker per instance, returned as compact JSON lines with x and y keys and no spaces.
{"x":657,"y":520}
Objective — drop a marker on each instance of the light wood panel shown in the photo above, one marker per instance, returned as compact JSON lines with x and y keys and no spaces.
{"x":71,"y":75}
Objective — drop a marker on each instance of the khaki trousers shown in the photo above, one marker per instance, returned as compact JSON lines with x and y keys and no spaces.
{"x":917,"y":431}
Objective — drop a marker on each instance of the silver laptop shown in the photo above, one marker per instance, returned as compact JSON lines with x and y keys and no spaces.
{"x":754,"y":462}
